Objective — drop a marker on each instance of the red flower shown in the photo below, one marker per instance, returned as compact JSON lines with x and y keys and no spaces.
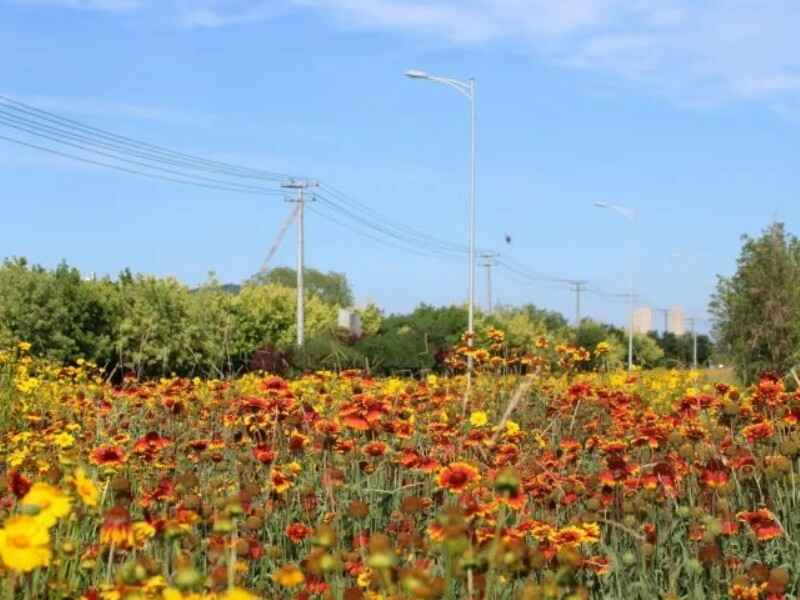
{"x":18,"y":483}
{"x":117,"y":528}
{"x":762,"y":522}
{"x":759,"y":431}
{"x":297,"y":532}
{"x":457,"y":476}
{"x":108,"y":456}
{"x":715,"y":475}
{"x":264,"y":454}
{"x":150,"y":445}
{"x":374,"y":449}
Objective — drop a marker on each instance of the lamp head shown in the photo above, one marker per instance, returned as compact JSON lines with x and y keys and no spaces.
{"x":416,"y":74}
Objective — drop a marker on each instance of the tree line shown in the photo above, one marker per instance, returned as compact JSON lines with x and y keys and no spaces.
{"x":153,"y":326}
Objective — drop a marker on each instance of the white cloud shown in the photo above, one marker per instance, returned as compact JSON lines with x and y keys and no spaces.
{"x":694,"y":52}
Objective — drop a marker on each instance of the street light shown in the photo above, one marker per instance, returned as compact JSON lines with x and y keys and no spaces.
{"x":465,"y":88}
{"x":629,"y":214}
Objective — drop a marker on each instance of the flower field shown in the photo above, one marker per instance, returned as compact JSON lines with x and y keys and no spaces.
{"x":547,"y":482}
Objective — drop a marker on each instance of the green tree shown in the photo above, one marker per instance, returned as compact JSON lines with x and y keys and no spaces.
{"x":757,"y":310}
{"x":62,"y":316}
{"x":266,"y":316}
{"x":524,"y":325}
{"x":332,"y":288}
{"x":646,"y":351}
{"x":414,"y":341}
{"x":371,"y":319}
{"x":154,"y":331}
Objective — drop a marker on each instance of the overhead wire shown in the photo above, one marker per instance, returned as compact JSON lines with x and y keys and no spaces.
{"x":40,"y":132}
{"x":121,"y":168}
{"x":133,"y":143}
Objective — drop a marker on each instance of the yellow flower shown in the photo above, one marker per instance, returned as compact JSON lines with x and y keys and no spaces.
{"x":143,"y":531}
{"x":51,"y":502}
{"x":173,"y":594}
{"x":240,"y":594}
{"x":85,"y":488}
{"x":17,"y":457}
{"x":24,"y":544}
{"x":364,"y":578}
{"x":288,"y":576}
{"x":24,"y":346}
{"x":511,"y":427}
{"x":478,"y":418}
{"x":63,"y":440}
{"x":393,"y":386}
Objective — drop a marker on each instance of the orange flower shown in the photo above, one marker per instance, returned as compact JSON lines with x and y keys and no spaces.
{"x":297,"y":532}
{"x":150,"y":445}
{"x":117,"y":528}
{"x":374,"y":449}
{"x":715,"y":475}
{"x":762,"y":522}
{"x":458,"y":476}
{"x":280,"y":482}
{"x":108,"y":456}
{"x":264,"y":454}
{"x":758,"y":431}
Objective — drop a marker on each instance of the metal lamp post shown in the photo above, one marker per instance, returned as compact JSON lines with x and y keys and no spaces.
{"x":465,"y":88}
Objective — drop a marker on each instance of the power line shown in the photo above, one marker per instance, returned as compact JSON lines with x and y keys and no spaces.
{"x":237,"y":170}
{"x":121,"y":168}
{"x":233,"y":186}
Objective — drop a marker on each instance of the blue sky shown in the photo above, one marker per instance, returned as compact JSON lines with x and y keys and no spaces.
{"x":689,"y":112}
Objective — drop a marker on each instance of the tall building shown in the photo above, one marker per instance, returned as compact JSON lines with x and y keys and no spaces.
{"x":675,"y":322}
{"x":643,"y":320}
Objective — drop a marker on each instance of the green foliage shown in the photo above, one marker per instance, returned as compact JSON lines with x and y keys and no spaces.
{"x":679,"y":349}
{"x":331,"y":288}
{"x":757,"y":310}
{"x":590,"y":333}
{"x":60,"y":315}
{"x":371,"y":319}
{"x":524,"y":325}
{"x":154,"y":333}
{"x":329,"y":352}
{"x":646,"y":351}
{"x":268,"y":316}
{"x":415,"y":341}
{"x":148,"y":325}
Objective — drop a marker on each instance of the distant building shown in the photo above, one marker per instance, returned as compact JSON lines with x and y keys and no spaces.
{"x":351,"y":321}
{"x":675,"y":322}
{"x":643,"y":320}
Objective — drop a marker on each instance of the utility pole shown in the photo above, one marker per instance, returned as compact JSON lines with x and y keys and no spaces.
{"x":665,"y":312}
{"x":300,"y":185}
{"x":489,"y":257}
{"x":578,"y":287}
{"x":692,"y":321}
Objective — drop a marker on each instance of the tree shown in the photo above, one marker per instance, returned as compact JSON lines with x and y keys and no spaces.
{"x":646,"y":352}
{"x":757,"y":310}
{"x":524,"y":325}
{"x":331,"y":288}
{"x":590,"y":333}
{"x":59,"y":314}
{"x":679,"y":349}
{"x":414,"y":341}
